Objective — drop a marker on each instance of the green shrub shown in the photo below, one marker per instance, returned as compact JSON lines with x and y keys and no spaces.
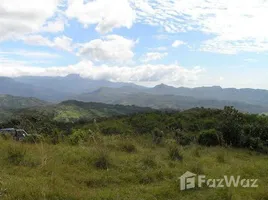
{"x":77,"y":137}
{"x":186,"y":140}
{"x":182,"y":138}
{"x":157,"y":136}
{"x":33,"y":139}
{"x":209,"y":138}
{"x":174,"y":153}
{"x":111,"y":130}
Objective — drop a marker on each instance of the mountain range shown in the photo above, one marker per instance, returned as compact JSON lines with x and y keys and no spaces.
{"x":75,"y":87}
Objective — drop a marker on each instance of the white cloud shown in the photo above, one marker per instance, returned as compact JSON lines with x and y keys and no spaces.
{"x":234,"y":25}
{"x":37,"y":40}
{"x":18,"y":19}
{"x":61,"y":42}
{"x":109,"y":48}
{"x":177,"y":43}
{"x":54,"y":26}
{"x":107,"y":14}
{"x":142,"y":74}
{"x":152,"y":56}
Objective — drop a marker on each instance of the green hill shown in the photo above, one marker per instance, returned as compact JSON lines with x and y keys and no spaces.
{"x":10,"y":104}
{"x":72,"y":111}
{"x":14,"y":102}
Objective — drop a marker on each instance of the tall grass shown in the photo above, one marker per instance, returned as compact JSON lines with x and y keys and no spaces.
{"x":110,"y":170}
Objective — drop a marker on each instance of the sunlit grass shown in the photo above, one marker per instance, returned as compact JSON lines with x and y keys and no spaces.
{"x":106,"y":169}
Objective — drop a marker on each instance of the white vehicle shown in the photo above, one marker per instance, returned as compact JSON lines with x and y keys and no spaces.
{"x":17,"y":134}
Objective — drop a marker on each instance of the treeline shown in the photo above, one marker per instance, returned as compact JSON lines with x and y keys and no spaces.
{"x":210,"y":127}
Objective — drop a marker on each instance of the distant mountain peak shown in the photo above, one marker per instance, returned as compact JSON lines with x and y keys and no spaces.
{"x":162,"y":85}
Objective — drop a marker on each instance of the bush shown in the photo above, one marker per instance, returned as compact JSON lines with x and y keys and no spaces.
{"x":186,"y":140}
{"x":77,"y":137}
{"x":33,"y":139}
{"x":182,"y":138}
{"x":209,"y":138}
{"x":174,"y":153}
{"x":112,"y":130}
{"x":15,"y":155}
{"x":157,"y":136}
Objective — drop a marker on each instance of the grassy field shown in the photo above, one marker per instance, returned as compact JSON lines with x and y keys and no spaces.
{"x":123,"y":167}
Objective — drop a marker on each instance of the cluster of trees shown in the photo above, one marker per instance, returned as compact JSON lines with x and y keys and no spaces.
{"x":210,"y":127}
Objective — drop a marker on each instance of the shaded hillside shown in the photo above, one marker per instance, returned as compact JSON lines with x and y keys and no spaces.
{"x":10,"y":105}
{"x":56,"y":89}
{"x":71,"y":84}
{"x":247,"y":95}
{"x":10,"y":86}
{"x":72,"y":111}
{"x":134,"y":97}
{"x":15,"y":102}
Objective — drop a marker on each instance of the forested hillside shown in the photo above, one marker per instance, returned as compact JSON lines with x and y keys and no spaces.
{"x":15,"y":102}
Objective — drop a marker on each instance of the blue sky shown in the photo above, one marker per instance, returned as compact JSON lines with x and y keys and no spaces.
{"x":177,"y":42}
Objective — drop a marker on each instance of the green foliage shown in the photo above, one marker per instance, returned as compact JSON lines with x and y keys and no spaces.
{"x":77,"y":137}
{"x":231,"y":126}
{"x":111,"y":130}
{"x":209,"y":138}
{"x":157,"y":136}
{"x":33,"y":138}
{"x":183,"y":138}
{"x":174,"y":153}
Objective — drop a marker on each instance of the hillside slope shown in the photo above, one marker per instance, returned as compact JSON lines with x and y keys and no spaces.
{"x":15,"y":102}
{"x":161,"y":101}
{"x":72,"y":111}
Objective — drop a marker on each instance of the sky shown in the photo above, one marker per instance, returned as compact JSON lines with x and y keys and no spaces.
{"x":187,"y":43}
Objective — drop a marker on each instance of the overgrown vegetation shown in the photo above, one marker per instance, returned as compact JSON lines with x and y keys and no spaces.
{"x":139,"y":156}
